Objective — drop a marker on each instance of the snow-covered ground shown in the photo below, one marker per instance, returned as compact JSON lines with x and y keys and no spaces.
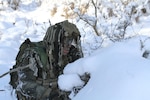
{"x":118,"y":72}
{"x":117,"y":69}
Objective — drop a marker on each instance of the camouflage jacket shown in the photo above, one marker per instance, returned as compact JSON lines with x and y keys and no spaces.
{"x":42,"y":62}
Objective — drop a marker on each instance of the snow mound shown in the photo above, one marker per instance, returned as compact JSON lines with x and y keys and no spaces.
{"x":118,"y":72}
{"x":69,"y":81}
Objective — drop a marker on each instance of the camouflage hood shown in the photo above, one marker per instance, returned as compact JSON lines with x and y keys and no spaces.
{"x":55,"y":36}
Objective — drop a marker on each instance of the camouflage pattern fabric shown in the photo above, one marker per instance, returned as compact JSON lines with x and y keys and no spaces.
{"x":45,"y":61}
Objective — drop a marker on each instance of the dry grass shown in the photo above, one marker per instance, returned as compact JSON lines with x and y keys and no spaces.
{"x":53,"y":11}
{"x":83,"y":8}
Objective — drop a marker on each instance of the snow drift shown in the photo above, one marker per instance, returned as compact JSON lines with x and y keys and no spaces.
{"x":118,"y":72}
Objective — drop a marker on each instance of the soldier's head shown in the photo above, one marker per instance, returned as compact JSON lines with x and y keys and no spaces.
{"x":62,"y":37}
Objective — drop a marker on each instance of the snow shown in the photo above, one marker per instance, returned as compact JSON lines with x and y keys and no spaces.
{"x":118,"y":71}
{"x":68,"y":81}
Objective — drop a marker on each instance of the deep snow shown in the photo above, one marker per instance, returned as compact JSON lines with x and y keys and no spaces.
{"x":118,"y":72}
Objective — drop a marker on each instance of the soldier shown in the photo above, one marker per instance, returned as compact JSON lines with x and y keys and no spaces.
{"x":40,"y":63}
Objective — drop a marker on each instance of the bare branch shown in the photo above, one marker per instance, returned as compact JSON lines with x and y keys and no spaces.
{"x":84,"y":19}
{"x":16,"y":69}
{"x":95,"y":7}
{"x":95,"y":24}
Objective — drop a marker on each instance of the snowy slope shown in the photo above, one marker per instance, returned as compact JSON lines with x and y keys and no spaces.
{"x":118,"y":72}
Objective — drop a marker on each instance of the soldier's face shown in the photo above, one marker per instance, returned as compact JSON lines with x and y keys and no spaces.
{"x":66,"y":45}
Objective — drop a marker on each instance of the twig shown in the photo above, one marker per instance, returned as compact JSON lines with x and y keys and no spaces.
{"x":95,"y":7}
{"x":16,"y":69}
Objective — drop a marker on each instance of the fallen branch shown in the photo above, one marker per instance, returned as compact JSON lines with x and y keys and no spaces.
{"x":16,"y":69}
